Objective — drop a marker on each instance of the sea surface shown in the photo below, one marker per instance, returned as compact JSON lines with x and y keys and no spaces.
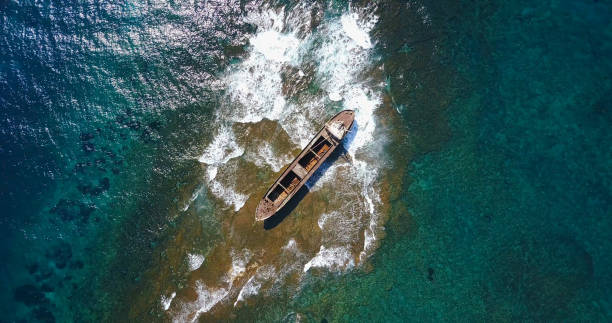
{"x":137,"y":137}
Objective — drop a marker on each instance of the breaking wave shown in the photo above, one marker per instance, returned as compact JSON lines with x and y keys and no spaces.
{"x":194,"y":261}
{"x":336,"y":258}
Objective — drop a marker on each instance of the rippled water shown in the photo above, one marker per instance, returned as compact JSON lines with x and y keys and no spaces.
{"x":137,"y":139}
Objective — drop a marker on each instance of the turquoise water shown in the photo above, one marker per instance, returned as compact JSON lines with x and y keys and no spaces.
{"x":506,"y":217}
{"x":496,"y":118}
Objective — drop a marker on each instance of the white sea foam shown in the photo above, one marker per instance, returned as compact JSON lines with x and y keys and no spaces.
{"x":256,"y":83}
{"x":364,"y":102}
{"x":334,"y":258}
{"x":211,"y":173}
{"x":276,"y":46}
{"x":341,"y":227}
{"x":291,"y":245}
{"x":166,"y":301}
{"x":369,"y":237}
{"x":194,"y":261}
{"x":225,"y":193}
{"x":265,"y":156}
{"x":253,"y":285}
{"x":291,"y":261}
{"x":323,"y":219}
{"x":356,"y":32}
{"x":301,"y":126}
{"x":223,"y":148}
{"x":207,"y":299}
{"x":335,"y":96}
{"x":228,"y":195}
{"x":268,"y":19}
{"x":194,"y":196}
{"x":342,"y":59}
{"x":239,"y":262}
{"x":422,"y":11}
{"x":325,"y":177}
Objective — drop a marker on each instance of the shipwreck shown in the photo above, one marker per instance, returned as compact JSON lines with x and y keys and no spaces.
{"x":305,"y":164}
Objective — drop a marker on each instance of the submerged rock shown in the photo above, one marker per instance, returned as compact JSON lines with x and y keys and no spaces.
{"x":43,"y":314}
{"x":33,"y":268}
{"x":88,"y":147}
{"x":80,"y":167}
{"x":88,"y":189}
{"x":85,"y":136}
{"x":60,"y":254}
{"x":77,"y":265}
{"x":69,"y":210}
{"x":46,"y":288}
{"x":105,"y":183}
{"x":29,"y":295}
{"x":44,"y":274}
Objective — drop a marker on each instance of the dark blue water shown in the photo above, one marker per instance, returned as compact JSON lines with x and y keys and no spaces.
{"x":501,"y":139}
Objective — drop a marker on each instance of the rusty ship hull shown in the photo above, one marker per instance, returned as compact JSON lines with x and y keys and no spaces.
{"x":305,"y":164}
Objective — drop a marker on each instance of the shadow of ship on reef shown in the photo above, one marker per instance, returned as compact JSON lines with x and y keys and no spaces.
{"x":273,"y":221}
